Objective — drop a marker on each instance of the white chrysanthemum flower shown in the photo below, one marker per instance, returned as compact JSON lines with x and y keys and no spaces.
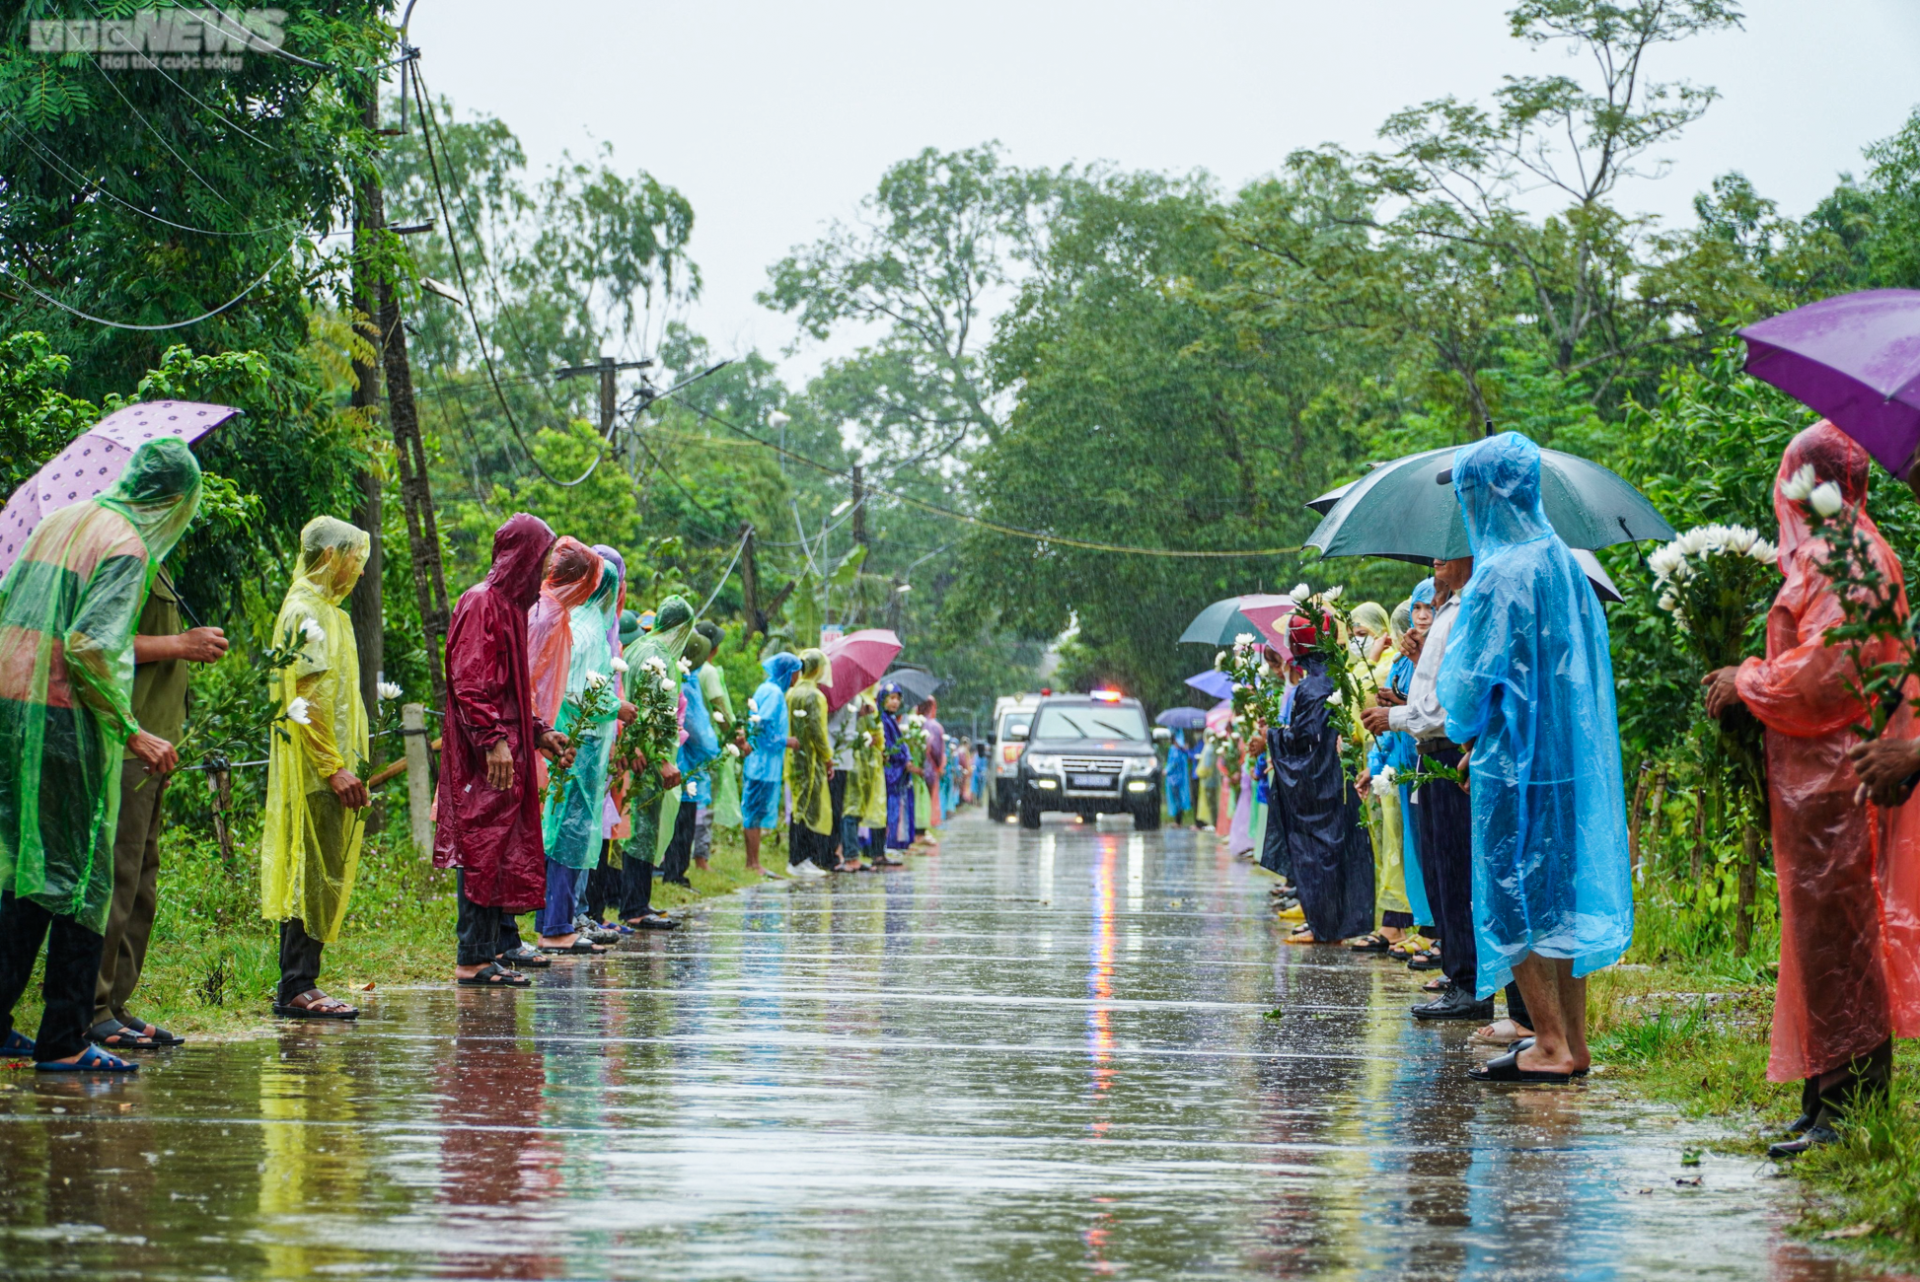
{"x":1220,"y":661}
{"x":733,"y":751}
{"x":1764,"y":552}
{"x":1826,"y":499}
{"x":1300,"y":592}
{"x":1800,"y":485}
{"x":597,"y":680}
{"x":685,"y":667}
{"x":799,"y":712}
{"x":313,"y":632}
{"x":1332,"y":594}
{"x":666,"y":686}
{"x":388,"y":691}
{"x":1387,"y":778}
{"x":619,"y":664}
{"x":655,"y":664}
{"x":301,"y":711}
{"x":1335,"y":699}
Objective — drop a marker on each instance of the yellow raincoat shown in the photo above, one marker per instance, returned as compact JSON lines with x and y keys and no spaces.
{"x":807,"y":763}
{"x":310,"y":849}
{"x":870,"y":762}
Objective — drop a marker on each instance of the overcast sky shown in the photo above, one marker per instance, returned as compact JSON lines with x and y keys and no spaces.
{"x":775,"y":118}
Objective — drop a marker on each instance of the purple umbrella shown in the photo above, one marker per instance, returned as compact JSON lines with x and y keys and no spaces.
{"x":1213,"y":682}
{"x":1854,"y":359}
{"x":95,"y":460}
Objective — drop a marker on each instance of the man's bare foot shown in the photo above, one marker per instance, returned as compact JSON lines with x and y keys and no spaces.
{"x":703,"y":865}
{"x":1501,"y":1032}
{"x":559,"y":941}
{"x":1536,"y":1061}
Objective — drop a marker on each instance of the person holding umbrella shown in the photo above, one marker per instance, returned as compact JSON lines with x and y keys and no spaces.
{"x":1527,"y":684}
{"x":77,"y":588}
{"x":1833,"y":1015}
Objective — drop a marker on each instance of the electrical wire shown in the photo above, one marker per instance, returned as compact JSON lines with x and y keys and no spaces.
{"x":726,"y":573}
{"x":1011,"y":531}
{"x":113,"y":324}
{"x":430,"y":125}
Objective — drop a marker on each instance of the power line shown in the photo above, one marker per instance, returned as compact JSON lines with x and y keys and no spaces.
{"x":1012,"y":531}
{"x":113,"y":324}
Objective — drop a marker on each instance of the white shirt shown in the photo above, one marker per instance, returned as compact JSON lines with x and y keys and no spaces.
{"x":1422,"y":716}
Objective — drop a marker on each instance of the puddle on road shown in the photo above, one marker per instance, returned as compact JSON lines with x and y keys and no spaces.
{"x":1028,"y":1058}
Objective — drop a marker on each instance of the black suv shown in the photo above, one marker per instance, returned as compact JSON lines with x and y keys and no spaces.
{"x":1090,"y":754}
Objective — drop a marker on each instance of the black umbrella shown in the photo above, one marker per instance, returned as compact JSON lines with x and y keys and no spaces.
{"x":915,"y":684}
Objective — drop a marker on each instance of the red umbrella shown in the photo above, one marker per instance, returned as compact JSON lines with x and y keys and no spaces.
{"x":855,"y":661}
{"x":95,"y":460}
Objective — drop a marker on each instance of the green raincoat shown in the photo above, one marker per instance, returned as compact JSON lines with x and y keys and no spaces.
{"x":310,"y":843}
{"x":672,"y":625}
{"x":68,"y":608}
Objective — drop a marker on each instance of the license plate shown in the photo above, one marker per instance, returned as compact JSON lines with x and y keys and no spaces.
{"x":1093,"y":781}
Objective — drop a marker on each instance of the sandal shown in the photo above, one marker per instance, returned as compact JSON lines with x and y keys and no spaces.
{"x":160,"y":1036}
{"x":522,"y":956}
{"x":1429,"y":960}
{"x":1438,"y":984}
{"x":1374,"y":943}
{"x":653,"y":921}
{"x":15,"y":1045}
{"x":1302,"y":937}
{"x":578,"y":948}
{"x":493,"y":975}
{"x":116,"y":1036}
{"x":92,"y":1060}
{"x":314,"y":1004}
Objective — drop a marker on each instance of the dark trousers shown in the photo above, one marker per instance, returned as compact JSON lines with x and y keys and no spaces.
{"x":299,"y":960}
{"x":73,"y":967}
{"x":803,"y":843}
{"x":636,"y":889}
{"x":679,"y":852}
{"x":481,"y":928}
{"x":603,"y":885}
{"x":556,"y":918}
{"x":1446,"y":861}
{"x":837,"y":846}
{"x":136,"y":890}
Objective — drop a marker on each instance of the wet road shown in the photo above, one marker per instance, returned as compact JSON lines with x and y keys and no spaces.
{"x":1033,"y":1056}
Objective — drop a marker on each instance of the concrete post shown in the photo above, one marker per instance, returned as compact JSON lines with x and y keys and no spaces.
{"x":413,"y":721}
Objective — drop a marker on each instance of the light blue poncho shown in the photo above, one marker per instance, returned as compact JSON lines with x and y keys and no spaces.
{"x":1528,"y":682}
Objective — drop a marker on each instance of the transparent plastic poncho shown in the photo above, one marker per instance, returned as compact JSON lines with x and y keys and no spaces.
{"x":68,"y":610}
{"x":1528,"y":681}
{"x":571,"y":825}
{"x":672,"y":626}
{"x":310,"y":844}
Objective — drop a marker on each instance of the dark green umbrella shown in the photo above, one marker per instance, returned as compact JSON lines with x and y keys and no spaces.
{"x":1406,"y":509}
{"x":1221,"y":623}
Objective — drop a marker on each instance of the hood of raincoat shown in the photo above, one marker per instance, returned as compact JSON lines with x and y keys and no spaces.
{"x":1834,"y":456}
{"x":1528,"y":680}
{"x":813,"y":664}
{"x":612,"y":557}
{"x":672,"y":625}
{"x":629,"y":627}
{"x":158,"y":493}
{"x":1401,"y":623}
{"x":1422,"y":593}
{"x":573,"y":578}
{"x":519,"y":548}
{"x":783,"y":667}
{"x":698,"y":650}
{"x":332,"y":555}
{"x":1372,"y":616}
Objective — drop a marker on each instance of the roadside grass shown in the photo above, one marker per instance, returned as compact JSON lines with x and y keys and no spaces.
{"x":1685,"y":1022}
{"x":213,"y":960}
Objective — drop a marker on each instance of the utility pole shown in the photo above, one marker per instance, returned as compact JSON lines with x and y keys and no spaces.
{"x":859,"y":508}
{"x":364,"y":605}
{"x":607,"y":368}
{"x":750,"y":583}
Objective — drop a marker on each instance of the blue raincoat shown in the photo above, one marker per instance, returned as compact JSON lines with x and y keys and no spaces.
{"x":768,"y":726}
{"x":1179,"y":782}
{"x":701,"y":744}
{"x":1396,"y":748}
{"x":1527,"y":680}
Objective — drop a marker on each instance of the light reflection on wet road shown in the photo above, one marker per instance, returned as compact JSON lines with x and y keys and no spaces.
{"x":1033,"y":1056}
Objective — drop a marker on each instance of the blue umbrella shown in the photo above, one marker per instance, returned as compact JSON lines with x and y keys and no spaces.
{"x":1182,"y":718}
{"x":1212,"y":682}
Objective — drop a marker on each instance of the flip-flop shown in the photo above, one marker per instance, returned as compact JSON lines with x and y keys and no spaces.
{"x":116,"y":1036}
{"x":493,"y":975}
{"x":578,"y":948}
{"x":92,"y":1060}
{"x":1369,"y":944}
{"x":1526,"y":1043}
{"x":523,"y":956}
{"x":15,"y":1045}
{"x":1506,"y":1068}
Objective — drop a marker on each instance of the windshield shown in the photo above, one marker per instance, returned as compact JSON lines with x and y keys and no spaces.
{"x":1015,"y":727}
{"x":1115,"y":722}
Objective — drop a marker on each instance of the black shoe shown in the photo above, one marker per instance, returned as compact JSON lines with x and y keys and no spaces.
{"x":1817,"y":1134}
{"x":1809,"y":1108}
{"x":1456,"y":1003}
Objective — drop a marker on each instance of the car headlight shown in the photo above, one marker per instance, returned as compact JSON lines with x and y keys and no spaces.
{"x":1044,"y":765}
{"x":1140,"y":765}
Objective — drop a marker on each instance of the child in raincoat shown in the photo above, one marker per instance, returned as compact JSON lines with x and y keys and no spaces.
{"x":809,"y":765}
{"x":310,"y":845}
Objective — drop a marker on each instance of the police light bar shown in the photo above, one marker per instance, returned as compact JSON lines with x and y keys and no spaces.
{"x":1105,"y":696}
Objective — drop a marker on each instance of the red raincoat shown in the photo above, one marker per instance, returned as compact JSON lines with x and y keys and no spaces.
{"x":494,"y":836}
{"x":1831,"y":1002}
